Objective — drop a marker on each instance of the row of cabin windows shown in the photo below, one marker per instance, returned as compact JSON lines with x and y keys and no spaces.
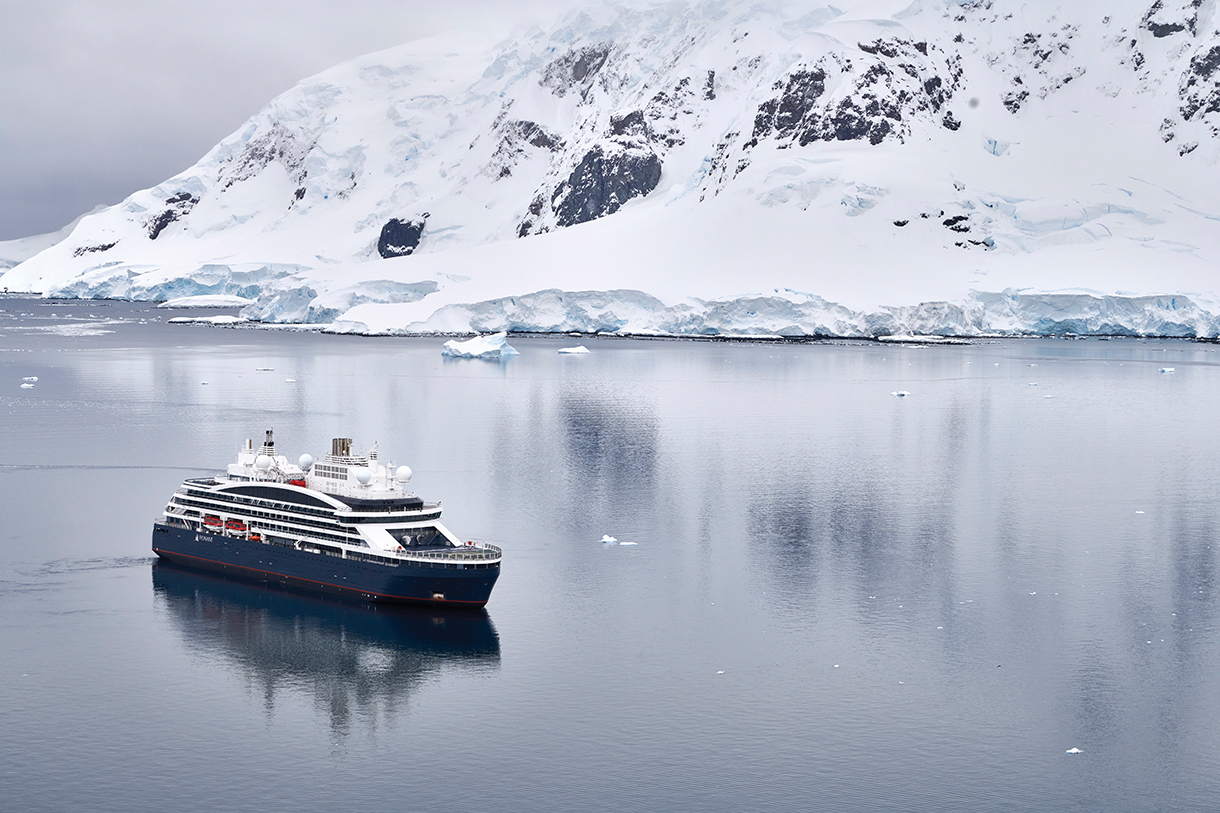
{"x":242,"y":499}
{"x":330,"y":472}
{"x":291,"y":515}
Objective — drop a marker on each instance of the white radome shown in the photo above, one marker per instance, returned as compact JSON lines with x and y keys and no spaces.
{"x":403,"y":474}
{"x":262,"y":462}
{"x":363,"y":476}
{"x":305,"y":461}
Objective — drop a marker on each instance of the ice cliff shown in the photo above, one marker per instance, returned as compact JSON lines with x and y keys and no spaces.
{"x":865,"y":168}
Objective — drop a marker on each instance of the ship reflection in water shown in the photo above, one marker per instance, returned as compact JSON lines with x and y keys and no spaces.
{"x":353,"y":660}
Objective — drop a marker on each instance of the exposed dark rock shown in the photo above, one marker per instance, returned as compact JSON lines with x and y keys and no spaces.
{"x":575,"y":70}
{"x":1199,"y":88}
{"x":516,"y":137}
{"x":536,"y":135}
{"x":177,"y":206}
{"x":83,"y":250}
{"x":1163,"y":22}
{"x":872,"y":103}
{"x":300,"y":193}
{"x":958,"y":223}
{"x":709,"y":87}
{"x":629,"y":124}
{"x":277,"y":144}
{"x":950,"y":121}
{"x":901,"y":223}
{"x":400,"y":238}
{"x":1014,"y":99}
{"x":609,"y":175}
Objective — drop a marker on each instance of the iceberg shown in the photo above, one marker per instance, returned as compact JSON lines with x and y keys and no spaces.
{"x":489,"y":348}
{"x":579,"y":350}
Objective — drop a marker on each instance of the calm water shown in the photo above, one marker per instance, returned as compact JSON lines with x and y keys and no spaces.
{"x":838,"y":600}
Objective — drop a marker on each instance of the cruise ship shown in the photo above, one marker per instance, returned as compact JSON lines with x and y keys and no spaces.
{"x":344,"y":525}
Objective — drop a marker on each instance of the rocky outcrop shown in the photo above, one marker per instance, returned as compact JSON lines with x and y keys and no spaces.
{"x":280,"y":143}
{"x":575,"y":70}
{"x":518,"y":138}
{"x":177,"y":207}
{"x":400,"y":238}
{"x":1200,"y":84}
{"x":873,"y":98}
{"x":610,"y":174}
{"x":1164,"y":21}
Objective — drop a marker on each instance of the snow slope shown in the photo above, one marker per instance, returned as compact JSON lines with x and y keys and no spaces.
{"x":864,"y":168}
{"x":15,"y":252}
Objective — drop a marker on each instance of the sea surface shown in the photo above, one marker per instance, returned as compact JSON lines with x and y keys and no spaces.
{"x":997,"y":593}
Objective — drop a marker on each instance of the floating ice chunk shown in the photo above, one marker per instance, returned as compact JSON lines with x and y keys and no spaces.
{"x":1139,"y":512}
{"x":1165,"y":370}
{"x":627,"y":544}
{"x":290,"y":381}
{"x":900,"y":393}
{"x":579,"y":350}
{"x":491,"y":348}
{"x":1048,"y":396}
{"x":721,"y":672}
{"x":30,"y":378}
{"x":609,"y":540}
{"x":264,"y":369}
{"x":1073,"y":751}
{"x":203,"y":382}
{"x":1033,"y":383}
{"x":27,"y":386}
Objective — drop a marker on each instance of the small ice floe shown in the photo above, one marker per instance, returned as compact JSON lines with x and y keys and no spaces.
{"x":900,"y":393}
{"x":1073,"y":751}
{"x":1139,"y":512}
{"x":627,"y":544}
{"x":721,"y":672}
{"x":609,"y":540}
{"x":490,"y":348}
{"x":203,"y":382}
{"x":30,"y":378}
{"x":1033,"y":383}
{"x":27,"y":386}
{"x":578,"y":350}
{"x":264,"y":369}
{"x":1165,"y":370}
{"x":290,"y":381}
{"x":1048,"y":396}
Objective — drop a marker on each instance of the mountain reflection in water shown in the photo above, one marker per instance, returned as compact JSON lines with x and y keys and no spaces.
{"x":350,"y":658}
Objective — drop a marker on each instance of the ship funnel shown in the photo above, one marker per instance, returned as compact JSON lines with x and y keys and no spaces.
{"x":341,"y":447}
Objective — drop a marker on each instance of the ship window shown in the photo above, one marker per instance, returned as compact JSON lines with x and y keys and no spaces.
{"x":427,"y":537}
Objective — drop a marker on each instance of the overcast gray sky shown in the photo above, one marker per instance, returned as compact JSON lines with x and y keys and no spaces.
{"x":100,"y":98}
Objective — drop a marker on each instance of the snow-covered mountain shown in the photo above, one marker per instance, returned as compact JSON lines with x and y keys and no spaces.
{"x":871,"y":167}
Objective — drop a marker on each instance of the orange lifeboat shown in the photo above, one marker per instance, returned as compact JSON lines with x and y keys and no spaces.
{"x":235,"y":525}
{"x":213,"y":522}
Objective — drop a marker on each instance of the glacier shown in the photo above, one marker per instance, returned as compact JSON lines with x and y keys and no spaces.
{"x":710,"y":168}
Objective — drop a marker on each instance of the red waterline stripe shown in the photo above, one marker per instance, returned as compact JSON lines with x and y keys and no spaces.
{"x":311,"y":581}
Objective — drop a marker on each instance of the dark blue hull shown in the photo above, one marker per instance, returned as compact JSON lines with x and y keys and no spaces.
{"x":432,"y":582}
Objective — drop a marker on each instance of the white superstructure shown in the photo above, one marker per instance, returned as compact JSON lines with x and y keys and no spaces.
{"x":345,"y":505}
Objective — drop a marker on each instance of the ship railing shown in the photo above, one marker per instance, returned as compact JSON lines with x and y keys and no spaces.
{"x":482,"y":552}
